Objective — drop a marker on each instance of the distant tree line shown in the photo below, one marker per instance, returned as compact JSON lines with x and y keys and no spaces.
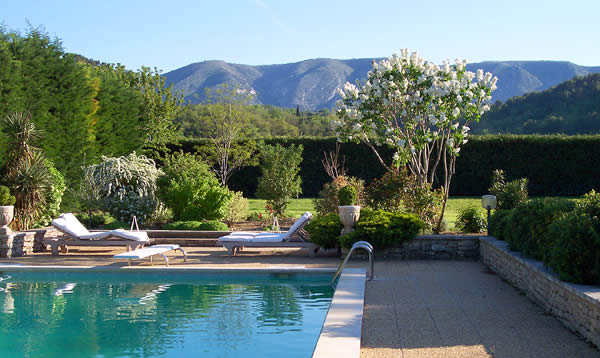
{"x":572,"y":107}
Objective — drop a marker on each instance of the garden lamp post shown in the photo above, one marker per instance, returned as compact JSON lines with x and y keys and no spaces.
{"x":488,"y":202}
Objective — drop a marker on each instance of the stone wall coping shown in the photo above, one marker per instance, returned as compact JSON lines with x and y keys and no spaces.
{"x":587,"y":292}
{"x":450,"y":237}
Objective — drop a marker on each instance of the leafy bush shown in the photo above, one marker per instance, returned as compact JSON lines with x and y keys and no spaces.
{"x":470,"y":219}
{"x":237,"y":210}
{"x":590,"y":206}
{"x":162,"y":214}
{"x":328,"y":196}
{"x":527,"y":229}
{"x":383,"y":229}
{"x":254,"y":217}
{"x":508,"y":195}
{"x":54,"y":195}
{"x":575,"y":255}
{"x":211,"y":225}
{"x":95,"y":219}
{"x":127,"y":185}
{"x":347,"y":196}
{"x":424,"y":202}
{"x":280,"y":180}
{"x":498,"y":222}
{"x":5,"y":197}
{"x":387,"y":192}
{"x":191,"y":189}
{"x":117,"y":224}
{"x":324,"y":230}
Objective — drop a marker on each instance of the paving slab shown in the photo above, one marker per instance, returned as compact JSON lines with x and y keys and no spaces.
{"x":412,"y":309}
{"x":457,"y":309}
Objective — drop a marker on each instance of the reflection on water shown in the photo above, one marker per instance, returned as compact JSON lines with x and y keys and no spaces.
{"x":108,"y":316}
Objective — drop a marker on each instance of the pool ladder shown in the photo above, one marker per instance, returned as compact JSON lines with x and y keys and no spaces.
{"x":357,"y":245}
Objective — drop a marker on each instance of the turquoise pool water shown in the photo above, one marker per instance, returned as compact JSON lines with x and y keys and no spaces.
{"x":99,"y":314}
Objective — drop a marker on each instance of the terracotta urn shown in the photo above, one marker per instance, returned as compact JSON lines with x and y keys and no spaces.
{"x":349,"y":215}
{"x":6,"y":217}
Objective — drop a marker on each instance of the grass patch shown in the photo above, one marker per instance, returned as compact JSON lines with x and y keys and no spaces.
{"x":296,"y":208}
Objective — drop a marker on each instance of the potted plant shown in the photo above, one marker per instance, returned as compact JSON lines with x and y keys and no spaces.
{"x":349,"y":211}
{"x":7,"y":209}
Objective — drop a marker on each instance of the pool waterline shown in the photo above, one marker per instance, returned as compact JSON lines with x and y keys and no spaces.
{"x":341,"y":330}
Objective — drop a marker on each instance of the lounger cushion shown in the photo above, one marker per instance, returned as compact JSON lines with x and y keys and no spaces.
{"x":129,"y":235}
{"x":69,"y":224}
{"x":95,"y":235}
{"x":298,"y":224}
{"x":260,"y":237}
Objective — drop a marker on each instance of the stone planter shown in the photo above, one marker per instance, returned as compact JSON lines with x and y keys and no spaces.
{"x":349,"y":215}
{"x":6,"y":217}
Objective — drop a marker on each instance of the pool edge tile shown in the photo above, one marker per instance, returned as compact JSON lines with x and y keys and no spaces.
{"x":341,"y":332}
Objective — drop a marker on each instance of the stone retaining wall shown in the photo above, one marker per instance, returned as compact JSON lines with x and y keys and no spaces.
{"x":577,"y":306}
{"x":39,"y":234}
{"x":16,"y":244}
{"x":443,"y":247}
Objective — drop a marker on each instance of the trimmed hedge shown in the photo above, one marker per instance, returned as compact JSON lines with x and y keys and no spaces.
{"x":565,"y":235}
{"x":555,"y":165}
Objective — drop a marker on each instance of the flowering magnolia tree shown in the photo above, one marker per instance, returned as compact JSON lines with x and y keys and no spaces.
{"x":422,"y":110}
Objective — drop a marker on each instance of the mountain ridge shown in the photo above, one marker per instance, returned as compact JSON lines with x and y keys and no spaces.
{"x":311,"y":84}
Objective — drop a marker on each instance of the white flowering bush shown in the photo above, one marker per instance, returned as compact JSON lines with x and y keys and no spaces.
{"x":420,"y":109}
{"x":126,"y":185}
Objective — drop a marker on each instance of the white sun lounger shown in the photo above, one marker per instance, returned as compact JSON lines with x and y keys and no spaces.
{"x":294,"y":237}
{"x":76,"y":234}
{"x":149,"y":252}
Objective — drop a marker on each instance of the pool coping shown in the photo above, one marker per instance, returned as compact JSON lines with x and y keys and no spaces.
{"x":341,"y":331}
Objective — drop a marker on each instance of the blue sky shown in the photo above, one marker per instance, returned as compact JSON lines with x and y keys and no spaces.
{"x":172,"y":34}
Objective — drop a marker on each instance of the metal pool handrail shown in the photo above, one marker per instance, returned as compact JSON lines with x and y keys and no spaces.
{"x":357,"y":245}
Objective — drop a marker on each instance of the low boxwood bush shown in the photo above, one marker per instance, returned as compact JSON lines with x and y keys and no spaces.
{"x":575,"y":255}
{"x":117,"y":224}
{"x":324,"y":230}
{"x":210,"y":225}
{"x":470,"y":219}
{"x":383,"y":229}
{"x":528,"y":225}
{"x":498,"y":222}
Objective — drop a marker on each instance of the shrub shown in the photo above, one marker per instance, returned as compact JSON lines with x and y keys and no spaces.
{"x":527,"y":228}
{"x":508,"y":195}
{"x":328,"y":196}
{"x":347,"y":196}
{"x":280,"y":180}
{"x":95,"y":219}
{"x":5,"y":197}
{"x":387,"y":192}
{"x":498,"y":222}
{"x":399,"y":191}
{"x":162,"y":214}
{"x":575,"y":255}
{"x":254,"y":217}
{"x":54,"y":195}
{"x":324,"y":230}
{"x":590,"y":206}
{"x":237,"y":210}
{"x":127,"y":185}
{"x":383,"y":229}
{"x":424,"y":202}
{"x":117,"y":224}
{"x":191,"y":190}
{"x":470,"y":219}
{"x":211,"y":225}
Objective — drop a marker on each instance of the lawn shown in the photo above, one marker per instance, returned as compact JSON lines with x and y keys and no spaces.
{"x":298,"y":206}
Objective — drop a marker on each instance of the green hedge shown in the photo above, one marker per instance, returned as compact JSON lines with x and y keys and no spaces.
{"x":555,"y":165}
{"x":564,"y":234}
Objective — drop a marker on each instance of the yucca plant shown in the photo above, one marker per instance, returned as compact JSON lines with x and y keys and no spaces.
{"x":26,"y":172}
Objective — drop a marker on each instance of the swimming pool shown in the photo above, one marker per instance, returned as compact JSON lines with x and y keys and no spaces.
{"x":158,"y":314}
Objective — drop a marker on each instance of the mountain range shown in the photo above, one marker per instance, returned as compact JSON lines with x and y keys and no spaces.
{"x":311,"y":84}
